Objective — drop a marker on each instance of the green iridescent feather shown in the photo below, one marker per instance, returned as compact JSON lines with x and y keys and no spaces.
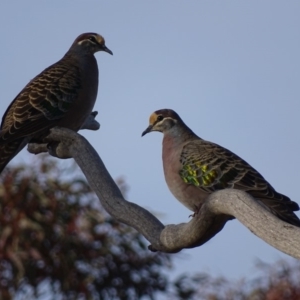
{"x":198,"y":175}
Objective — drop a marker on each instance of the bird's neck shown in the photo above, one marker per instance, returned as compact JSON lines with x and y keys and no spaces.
{"x":79,"y":52}
{"x":85,"y":61}
{"x":177,"y":135}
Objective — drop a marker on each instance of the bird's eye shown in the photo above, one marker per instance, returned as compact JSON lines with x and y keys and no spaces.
{"x":92,"y":39}
{"x":159,"y":118}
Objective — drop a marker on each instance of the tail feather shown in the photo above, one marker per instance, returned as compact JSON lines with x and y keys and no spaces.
{"x":9,"y":150}
{"x":283,"y":210}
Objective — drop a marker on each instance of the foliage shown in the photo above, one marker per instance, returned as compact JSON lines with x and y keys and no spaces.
{"x":51,"y":228}
{"x":280,"y":281}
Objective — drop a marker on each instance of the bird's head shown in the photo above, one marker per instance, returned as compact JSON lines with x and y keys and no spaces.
{"x":162,"y":120}
{"x":91,"y":43}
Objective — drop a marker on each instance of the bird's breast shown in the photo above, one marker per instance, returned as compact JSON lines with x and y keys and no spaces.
{"x":86,"y":97}
{"x":188,"y":194}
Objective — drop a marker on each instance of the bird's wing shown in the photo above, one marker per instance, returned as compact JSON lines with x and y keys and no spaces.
{"x":46,"y":98}
{"x":212,"y":167}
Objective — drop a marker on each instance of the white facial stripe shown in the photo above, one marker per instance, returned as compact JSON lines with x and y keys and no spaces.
{"x":80,"y":42}
{"x":169,"y":118}
{"x":163,"y":120}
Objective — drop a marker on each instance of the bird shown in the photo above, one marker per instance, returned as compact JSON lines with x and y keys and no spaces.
{"x":63,"y":95}
{"x":194,"y":168}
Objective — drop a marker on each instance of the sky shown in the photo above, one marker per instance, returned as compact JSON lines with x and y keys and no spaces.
{"x":230,"y":69}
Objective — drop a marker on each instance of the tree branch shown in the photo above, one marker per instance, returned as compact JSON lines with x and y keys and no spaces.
{"x":216,"y":211}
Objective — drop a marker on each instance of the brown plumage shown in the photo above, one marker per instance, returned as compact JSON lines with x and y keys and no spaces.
{"x":64,"y":95}
{"x":194,"y":168}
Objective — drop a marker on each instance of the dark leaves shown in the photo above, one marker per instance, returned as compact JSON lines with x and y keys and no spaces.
{"x":50,"y":229}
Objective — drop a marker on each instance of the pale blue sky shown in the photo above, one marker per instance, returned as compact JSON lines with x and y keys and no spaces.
{"x":230,"y":69}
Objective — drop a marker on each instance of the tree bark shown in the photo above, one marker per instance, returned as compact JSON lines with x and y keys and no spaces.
{"x":213,"y":215}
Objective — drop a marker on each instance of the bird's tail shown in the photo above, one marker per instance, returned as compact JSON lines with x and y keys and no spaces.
{"x":9,"y":150}
{"x":283,"y":209}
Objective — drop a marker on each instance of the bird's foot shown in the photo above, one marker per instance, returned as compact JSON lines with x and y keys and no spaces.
{"x":196,"y":211}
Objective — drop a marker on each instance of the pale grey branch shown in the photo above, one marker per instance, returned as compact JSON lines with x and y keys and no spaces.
{"x":172,"y":238}
{"x":90,"y":123}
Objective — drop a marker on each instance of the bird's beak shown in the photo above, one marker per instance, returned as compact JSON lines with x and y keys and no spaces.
{"x":105,"y":49}
{"x":148,"y":129}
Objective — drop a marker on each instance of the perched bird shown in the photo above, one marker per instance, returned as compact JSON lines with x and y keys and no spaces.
{"x":194,"y":168}
{"x":64,"y":95}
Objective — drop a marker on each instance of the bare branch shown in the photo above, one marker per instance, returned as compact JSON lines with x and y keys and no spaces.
{"x":214,"y":214}
{"x":90,"y":124}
